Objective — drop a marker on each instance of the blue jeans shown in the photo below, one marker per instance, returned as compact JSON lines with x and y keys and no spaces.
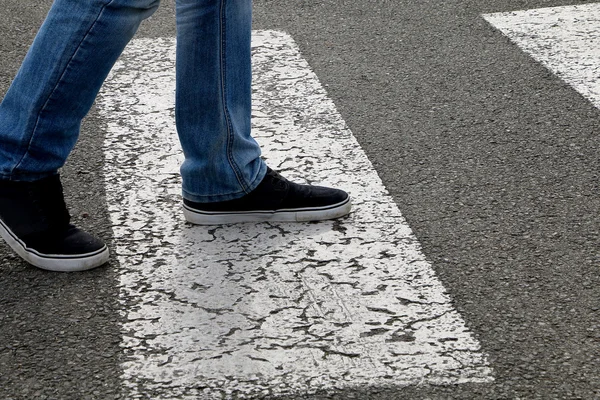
{"x":71,"y":56}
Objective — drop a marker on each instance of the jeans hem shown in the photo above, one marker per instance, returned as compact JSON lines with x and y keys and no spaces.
{"x":26,"y":177}
{"x":213,"y":198}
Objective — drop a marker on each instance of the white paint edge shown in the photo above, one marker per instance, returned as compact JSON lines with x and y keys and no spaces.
{"x":566,"y":40}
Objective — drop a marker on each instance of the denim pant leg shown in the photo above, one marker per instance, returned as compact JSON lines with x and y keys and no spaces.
{"x":59,"y":79}
{"x":213,"y":100}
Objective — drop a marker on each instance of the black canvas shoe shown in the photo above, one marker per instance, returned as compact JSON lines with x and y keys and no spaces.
{"x":274,"y":199}
{"x":34,"y":221}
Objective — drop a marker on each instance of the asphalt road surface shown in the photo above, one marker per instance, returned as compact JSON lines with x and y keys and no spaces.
{"x":490,"y":157}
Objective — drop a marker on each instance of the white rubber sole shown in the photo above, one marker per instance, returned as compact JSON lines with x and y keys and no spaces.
{"x":333,"y":211}
{"x":54,"y":262}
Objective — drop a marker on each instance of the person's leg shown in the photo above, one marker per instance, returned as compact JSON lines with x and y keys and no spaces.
{"x":58,"y":81}
{"x":224,"y":178}
{"x":40,"y":118}
{"x":213,"y":100}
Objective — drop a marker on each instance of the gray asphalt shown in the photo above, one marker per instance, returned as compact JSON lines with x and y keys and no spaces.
{"x":491,"y":158}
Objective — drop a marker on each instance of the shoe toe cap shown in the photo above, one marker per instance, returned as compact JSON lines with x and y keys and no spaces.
{"x":315,"y":196}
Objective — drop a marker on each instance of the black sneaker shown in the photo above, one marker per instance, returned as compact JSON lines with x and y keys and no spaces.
{"x":34,"y":221}
{"x":274,"y":199}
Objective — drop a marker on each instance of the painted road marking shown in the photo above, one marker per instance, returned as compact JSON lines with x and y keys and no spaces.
{"x":267,"y":308}
{"x":564,"y":39}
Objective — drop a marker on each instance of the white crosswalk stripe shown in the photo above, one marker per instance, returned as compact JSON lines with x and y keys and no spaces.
{"x":565,"y":39}
{"x":267,"y":308}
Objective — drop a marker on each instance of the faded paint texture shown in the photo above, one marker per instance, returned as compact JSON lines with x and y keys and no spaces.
{"x":255,"y":309}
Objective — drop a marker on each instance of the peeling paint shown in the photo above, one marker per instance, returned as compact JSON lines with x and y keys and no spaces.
{"x":254,"y":309}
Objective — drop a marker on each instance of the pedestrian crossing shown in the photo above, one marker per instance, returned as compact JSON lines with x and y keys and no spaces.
{"x":269,"y":308}
{"x":256,"y":309}
{"x":283,"y":309}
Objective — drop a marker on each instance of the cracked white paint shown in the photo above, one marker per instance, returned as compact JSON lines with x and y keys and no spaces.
{"x":564,"y":39}
{"x":266,"y":308}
